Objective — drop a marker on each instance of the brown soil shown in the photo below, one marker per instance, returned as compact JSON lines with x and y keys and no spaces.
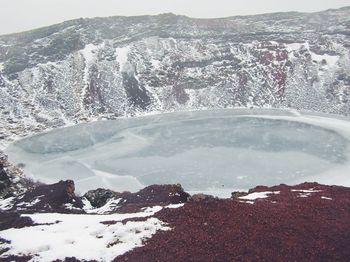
{"x":282,"y":227}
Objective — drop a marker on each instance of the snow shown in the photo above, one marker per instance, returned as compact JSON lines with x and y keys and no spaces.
{"x":81,"y":236}
{"x":305,"y":190}
{"x":122,"y":57}
{"x":331,"y":60}
{"x":256,"y":195}
{"x":71,"y":207}
{"x":89,"y":52}
{"x":109,"y":206}
{"x":174,"y":206}
{"x":155,"y":63}
{"x":208,"y":151}
{"x":29,"y":204}
{"x":304,"y":195}
{"x":247,"y":202}
{"x":7,"y":203}
{"x":294,"y":47}
{"x":327,"y":198}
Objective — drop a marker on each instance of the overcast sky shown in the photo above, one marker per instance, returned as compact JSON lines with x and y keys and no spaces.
{"x":21,"y":15}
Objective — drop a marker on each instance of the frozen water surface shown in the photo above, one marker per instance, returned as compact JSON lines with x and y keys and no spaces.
{"x":216,"y":151}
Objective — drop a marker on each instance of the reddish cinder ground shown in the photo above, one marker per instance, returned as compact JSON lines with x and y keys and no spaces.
{"x":289,"y":226}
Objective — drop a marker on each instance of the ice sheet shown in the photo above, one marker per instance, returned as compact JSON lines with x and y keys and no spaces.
{"x":212,"y":151}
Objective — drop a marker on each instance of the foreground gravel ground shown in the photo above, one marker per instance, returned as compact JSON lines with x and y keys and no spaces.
{"x":308,"y":222}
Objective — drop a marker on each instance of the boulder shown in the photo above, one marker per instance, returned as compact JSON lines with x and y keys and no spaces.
{"x":99,"y":197}
{"x":58,"y":197}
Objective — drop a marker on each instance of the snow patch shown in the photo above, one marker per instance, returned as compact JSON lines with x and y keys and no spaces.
{"x":85,"y":237}
{"x":175,"y":205}
{"x":327,"y":198}
{"x":330,"y":60}
{"x":256,"y":195}
{"x":7,"y":203}
{"x":122,"y":57}
{"x":71,"y":207}
{"x":305,"y":190}
{"x":247,"y":202}
{"x":89,"y":52}
{"x":155,"y":63}
{"x":111,"y":205}
{"x":29,"y":204}
{"x":294,"y":47}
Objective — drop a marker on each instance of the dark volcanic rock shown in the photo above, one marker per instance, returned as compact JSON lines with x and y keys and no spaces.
{"x":200,"y":197}
{"x":159,"y":194}
{"x":73,"y":259}
{"x":57,"y":197}
{"x":99,"y":197}
{"x":16,"y":259}
{"x":12,"y":180}
{"x":13,"y":220}
{"x":4,"y":182}
{"x":152,"y":196}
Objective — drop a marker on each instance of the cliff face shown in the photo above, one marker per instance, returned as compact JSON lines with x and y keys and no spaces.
{"x":121,"y":66}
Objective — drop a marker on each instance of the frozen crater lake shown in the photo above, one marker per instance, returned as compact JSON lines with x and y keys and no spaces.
{"x":208,"y":151}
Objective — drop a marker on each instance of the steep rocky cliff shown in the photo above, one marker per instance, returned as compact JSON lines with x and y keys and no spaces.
{"x":120,"y":66}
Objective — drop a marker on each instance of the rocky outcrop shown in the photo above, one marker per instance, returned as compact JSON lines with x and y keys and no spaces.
{"x":126,"y":202}
{"x":12,"y":180}
{"x":4,"y":182}
{"x":100,"y":196}
{"x":200,"y":197}
{"x":151,"y":196}
{"x":59,"y":197}
{"x":13,"y":220}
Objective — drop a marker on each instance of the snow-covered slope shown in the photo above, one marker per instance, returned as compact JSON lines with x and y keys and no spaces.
{"x":119,"y":66}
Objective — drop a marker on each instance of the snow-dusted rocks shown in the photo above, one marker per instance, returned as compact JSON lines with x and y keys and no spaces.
{"x":99,"y":197}
{"x":12,"y":180}
{"x":59,"y":197}
{"x":120,"y":66}
{"x":127,"y":202}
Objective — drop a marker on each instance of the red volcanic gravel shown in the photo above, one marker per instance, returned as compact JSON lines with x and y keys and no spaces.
{"x":288,"y":226}
{"x":152,"y":196}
